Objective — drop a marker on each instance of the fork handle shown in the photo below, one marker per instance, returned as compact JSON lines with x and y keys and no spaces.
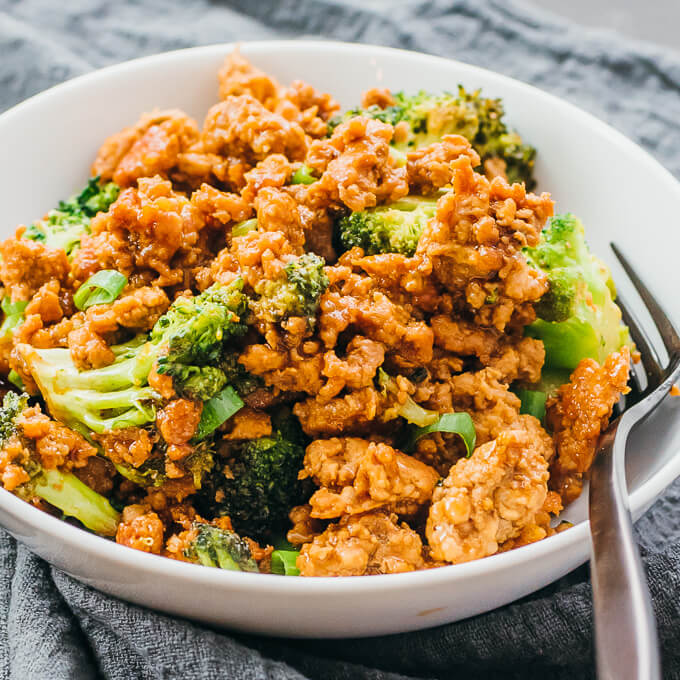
{"x":626,"y":642}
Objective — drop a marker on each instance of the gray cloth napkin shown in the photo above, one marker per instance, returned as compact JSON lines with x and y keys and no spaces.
{"x":53,"y":627}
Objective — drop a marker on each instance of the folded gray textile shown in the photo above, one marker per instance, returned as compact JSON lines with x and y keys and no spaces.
{"x":53,"y":627}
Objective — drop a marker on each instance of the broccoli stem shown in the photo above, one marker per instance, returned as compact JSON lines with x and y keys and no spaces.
{"x":75,"y":499}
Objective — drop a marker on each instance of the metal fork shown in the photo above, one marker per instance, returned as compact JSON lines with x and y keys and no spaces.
{"x":626,"y":643}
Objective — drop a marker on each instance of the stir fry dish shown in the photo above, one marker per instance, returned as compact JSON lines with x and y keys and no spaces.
{"x":302,"y":341}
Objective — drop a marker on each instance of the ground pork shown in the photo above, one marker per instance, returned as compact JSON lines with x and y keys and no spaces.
{"x":473,"y":246}
{"x":300,"y":102}
{"x":429,"y":167}
{"x":140,"y":529}
{"x":287,"y":371}
{"x":26,"y":265}
{"x":129,"y":445}
{"x":341,"y":415}
{"x":248,"y":424}
{"x":304,"y":526}
{"x":373,"y":543}
{"x":47,"y":303}
{"x":144,"y":228}
{"x":242,"y":127}
{"x":356,"y":476}
{"x":150,"y":147}
{"x":356,"y":167}
{"x":220,"y":209}
{"x":357,"y":369}
{"x":516,"y":358}
{"x":488,"y":498}
{"x":55,"y":444}
{"x":374,"y":315}
{"x":577,"y":416}
{"x":177,"y":421}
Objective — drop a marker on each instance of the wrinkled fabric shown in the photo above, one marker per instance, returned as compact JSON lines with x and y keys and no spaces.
{"x":55,"y":628}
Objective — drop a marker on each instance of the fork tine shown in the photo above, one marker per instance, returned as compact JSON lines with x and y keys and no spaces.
{"x":648,"y":355}
{"x":668,"y":333}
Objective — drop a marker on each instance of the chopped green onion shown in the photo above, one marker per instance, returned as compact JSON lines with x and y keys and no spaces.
{"x":15,"y":379}
{"x":455,"y":423}
{"x":242,"y":228}
{"x":284,"y":562}
{"x":533,"y":402}
{"x":100,"y":289}
{"x":216,"y":411}
{"x":14,"y":315}
{"x":303,"y":175}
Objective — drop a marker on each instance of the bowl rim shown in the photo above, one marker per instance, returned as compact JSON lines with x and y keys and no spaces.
{"x":149,"y":564}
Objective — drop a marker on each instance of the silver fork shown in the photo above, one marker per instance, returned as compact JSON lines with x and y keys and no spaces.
{"x":626,"y":643}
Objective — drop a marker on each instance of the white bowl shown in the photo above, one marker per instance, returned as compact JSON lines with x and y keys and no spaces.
{"x":621,"y":193}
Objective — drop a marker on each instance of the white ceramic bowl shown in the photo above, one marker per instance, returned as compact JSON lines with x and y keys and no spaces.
{"x":621,"y":193}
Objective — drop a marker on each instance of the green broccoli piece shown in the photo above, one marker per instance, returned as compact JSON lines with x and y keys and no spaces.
{"x":409,"y":410}
{"x":478,"y":119}
{"x":577,"y":317}
{"x":259,"y":484}
{"x":63,"y":227}
{"x":296,"y":293}
{"x":215,"y":547}
{"x":61,"y":489}
{"x":183,"y":343}
{"x":148,"y":474}
{"x":392,"y":228}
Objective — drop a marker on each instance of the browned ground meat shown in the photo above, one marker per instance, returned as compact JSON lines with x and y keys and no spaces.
{"x":374,"y":543}
{"x":241,"y":127}
{"x":178,"y":421}
{"x":356,"y":476}
{"x":578,"y":415}
{"x":350,"y":413}
{"x":140,"y":529}
{"x":131,"y":445}
{"x":26,"y":265}
{"x":488,"y":498}
{"x":145,"y":228}
{"x":429,"y":167}
{"x":356,"y":166}
{"x":150,"y":147}
{"x":473,"y":246}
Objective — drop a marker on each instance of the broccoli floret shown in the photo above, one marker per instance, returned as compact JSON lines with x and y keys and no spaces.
{"x":215,"y":547}
{"x":577,"y":317}
{"x":61,"y":489}
{"x":258,"y":485}
{"x":63,"y":227}
{"x":150,"y":473}
{"x":478,"y":119}
{"x":189,"y":337}
{"x":392,"y":228}
{"x":295,"y":293}
{"x":409,"y":410}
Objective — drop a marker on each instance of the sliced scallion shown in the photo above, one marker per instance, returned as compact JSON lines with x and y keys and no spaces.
{"x":100,"y":289}
{"x":533,"y":402}
{"x":284,"y":562}
{"x":216,"y":411}
{"x":454,"y":423}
